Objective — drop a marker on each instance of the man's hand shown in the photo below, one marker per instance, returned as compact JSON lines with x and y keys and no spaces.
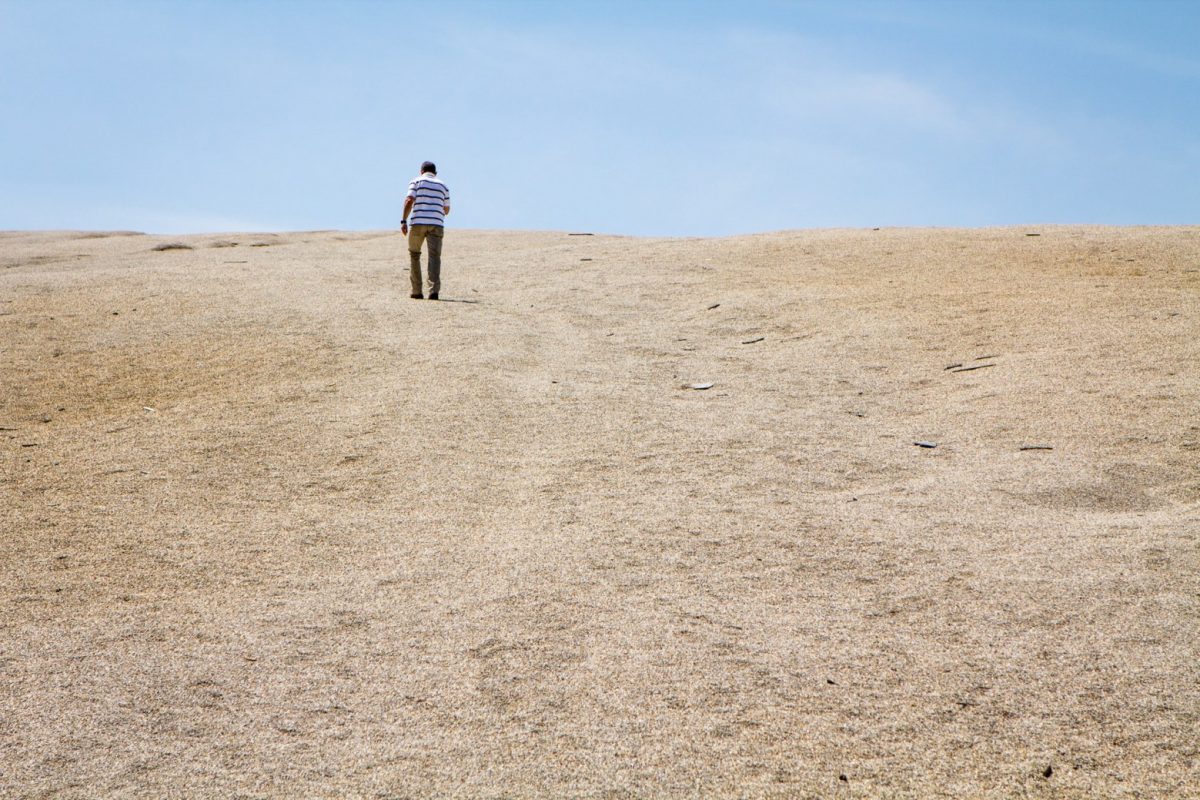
{"x":408,"y":206}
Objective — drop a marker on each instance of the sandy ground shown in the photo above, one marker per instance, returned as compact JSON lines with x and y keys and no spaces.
{"x":272,"y":529}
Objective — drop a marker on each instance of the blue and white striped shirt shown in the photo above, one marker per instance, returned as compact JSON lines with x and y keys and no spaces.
{"x":430,"y":198}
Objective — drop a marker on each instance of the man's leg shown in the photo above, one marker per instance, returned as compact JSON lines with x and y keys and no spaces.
{"x":435,"y":259}
{"x":416,"y":236}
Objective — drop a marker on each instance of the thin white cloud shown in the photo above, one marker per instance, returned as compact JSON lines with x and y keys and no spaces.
{"x":1125,"y":53}
{"x":846,"y":97}
{"x":1079,"y":33}
{"x":812,"y":86}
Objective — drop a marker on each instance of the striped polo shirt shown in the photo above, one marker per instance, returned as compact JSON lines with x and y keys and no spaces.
{"x":430,"y":198}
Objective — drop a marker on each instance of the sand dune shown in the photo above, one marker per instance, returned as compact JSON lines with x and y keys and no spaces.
{"x":272,"y":529}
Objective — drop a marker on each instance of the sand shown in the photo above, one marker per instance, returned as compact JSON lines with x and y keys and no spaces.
{"x":270,"y":528}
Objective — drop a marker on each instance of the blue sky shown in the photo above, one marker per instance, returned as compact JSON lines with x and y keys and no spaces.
{"x":650,"y":118}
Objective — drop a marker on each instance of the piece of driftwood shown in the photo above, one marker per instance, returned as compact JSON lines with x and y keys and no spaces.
{"x":1037,"y":447}
{"x":985,"y":358}
{"x":929,"y":445}
{"x":971,"y":367}
{"x":952,"y":366}
{"x":585,"y":259}
{"x":754,"y":341}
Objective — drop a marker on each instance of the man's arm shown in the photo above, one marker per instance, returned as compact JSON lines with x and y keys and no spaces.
{"x":408,"y":204}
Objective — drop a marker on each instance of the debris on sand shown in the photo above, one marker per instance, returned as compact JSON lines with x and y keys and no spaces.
{"x":1037,"y":447}
{"x":962,"y":366}
{"x":698,"y":386}
{"x":171,"y":246}
{"x":714,"y":305}
{"x":754,"y":341}
{"x":929,"y":445}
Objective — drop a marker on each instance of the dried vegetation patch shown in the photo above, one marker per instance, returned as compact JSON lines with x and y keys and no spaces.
{"x":904,"y":513}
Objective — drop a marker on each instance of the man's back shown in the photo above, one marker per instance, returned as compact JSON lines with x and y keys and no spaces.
{"x":430,"y":199}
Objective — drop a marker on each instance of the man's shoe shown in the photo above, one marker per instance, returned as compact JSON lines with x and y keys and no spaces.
{"x":433,"y":295}
{"x":417,"y":296}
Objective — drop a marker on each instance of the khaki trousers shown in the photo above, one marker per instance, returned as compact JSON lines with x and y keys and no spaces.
{"x":418,"y":235}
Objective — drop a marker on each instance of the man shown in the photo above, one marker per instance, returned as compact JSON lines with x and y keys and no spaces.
{"x":428,"y":201}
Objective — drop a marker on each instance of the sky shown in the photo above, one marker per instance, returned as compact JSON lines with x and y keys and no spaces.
{"x":639,"y":118}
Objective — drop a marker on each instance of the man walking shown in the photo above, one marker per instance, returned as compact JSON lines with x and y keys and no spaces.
{"x":428,"y":201}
